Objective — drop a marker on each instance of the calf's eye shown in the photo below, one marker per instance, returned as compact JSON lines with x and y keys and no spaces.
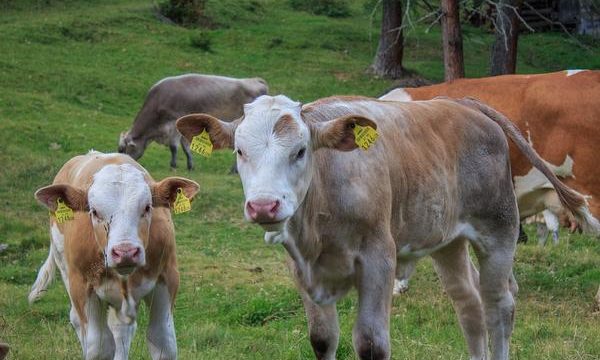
{"x":300,"y":154}
{"x":239,"y":152}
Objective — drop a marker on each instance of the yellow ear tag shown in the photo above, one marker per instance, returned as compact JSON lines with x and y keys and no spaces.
{"x":364,"y":136}
{"x":182,"y":203}
{"x":63,"y":213}
{"x":201,"y":144}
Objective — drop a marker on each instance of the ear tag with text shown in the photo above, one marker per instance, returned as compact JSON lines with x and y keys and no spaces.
{"x":364,"y":136}
{"x":182,"y":203}
{"x":63,"y":213}
{"x":201,"y":144}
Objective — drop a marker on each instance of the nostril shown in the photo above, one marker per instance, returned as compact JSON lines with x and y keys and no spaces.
{"x":135,"y":253}
{"x":115,"y":254}
{"x":275,"y":207}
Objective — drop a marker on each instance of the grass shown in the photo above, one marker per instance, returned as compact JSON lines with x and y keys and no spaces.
{"x":74,"y":73}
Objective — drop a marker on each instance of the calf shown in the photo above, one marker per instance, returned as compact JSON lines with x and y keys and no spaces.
{"x":117,"y":250}
{"x":437,"y":179}
{"x":176,"y":96}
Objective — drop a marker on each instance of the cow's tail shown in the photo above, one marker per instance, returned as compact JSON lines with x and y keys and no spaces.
{"x":573,"y":201}
{"x":44,"y":277}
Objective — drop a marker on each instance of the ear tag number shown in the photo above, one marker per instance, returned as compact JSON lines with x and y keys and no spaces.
{"x":201,"y":144}
{"x":364,"y":136}
{"x":182,"y":203}
{"x":63,"y":213}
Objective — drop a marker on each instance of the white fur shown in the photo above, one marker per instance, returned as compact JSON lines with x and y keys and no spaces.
{"x":398,"y":94}
{"x":575,"y":71}
{"x":267,"y":168}
{"x":119,"y":195}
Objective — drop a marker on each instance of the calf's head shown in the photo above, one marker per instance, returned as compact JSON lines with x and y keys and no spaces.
{"x":132,"y":147}
{"x":120,"y":202}
{"x":275,"y":147}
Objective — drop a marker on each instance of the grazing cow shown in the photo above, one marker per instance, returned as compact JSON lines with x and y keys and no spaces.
{"x":559,"y":112}
{"x":118,"y":249}
{"x":437,"y":179}
{"x":173,"y":97}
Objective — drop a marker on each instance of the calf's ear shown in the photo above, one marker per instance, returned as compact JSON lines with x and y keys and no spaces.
{"x":338,"y":133}
{"x":221,"y":133}
{"x":73,"y":197}
{"x":165,"y":191}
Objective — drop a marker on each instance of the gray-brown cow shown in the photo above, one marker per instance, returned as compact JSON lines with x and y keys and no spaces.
{"x":173,"y":97}
{"x":437,"y":179}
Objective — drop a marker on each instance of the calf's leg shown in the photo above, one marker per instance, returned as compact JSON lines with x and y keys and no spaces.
{"x":173,"y":148}
{"x":98,"y":342}
{"x":161,"y":329}
{"x":375,"y":281}
{"x":122,"y":333}
{"x":404,"y":270}
{"x":460,"y":279}
{"x":185,"y":145}
{"x":323,"y":327}
{"x":497,"y":285}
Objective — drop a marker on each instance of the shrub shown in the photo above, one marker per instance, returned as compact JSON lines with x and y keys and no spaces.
{"x":186,"y":12}
{"x":331,"y":8}
{"x":201,"y":40}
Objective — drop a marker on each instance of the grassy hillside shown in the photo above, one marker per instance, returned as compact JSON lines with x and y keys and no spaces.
{"x":74,"y":73}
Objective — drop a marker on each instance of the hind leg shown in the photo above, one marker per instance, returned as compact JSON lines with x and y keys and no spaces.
{"x":404,"y":271}
{"x":497,"y":286}
{"x":459,"y":278}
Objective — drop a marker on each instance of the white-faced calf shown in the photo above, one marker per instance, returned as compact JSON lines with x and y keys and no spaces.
{"x":117,"y":249}
{"x":437,"y":179}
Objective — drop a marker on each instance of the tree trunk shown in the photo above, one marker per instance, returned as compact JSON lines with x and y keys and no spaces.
{"x":504,"y":49}
{"x":388,"y":60}
{"x":454,"y":66}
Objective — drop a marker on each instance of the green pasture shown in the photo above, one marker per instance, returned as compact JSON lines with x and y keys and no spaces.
{"x":74,"y":73}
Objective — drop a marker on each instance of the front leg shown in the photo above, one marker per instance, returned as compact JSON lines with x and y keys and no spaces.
{"x":161,"y":329}
{"x":96,"y":338}
{"x":185,"y":145}
{"x":375,"y":280}
{"x":122,"y":333}
{"x":173,"y":148}
{"x":323,"y":327}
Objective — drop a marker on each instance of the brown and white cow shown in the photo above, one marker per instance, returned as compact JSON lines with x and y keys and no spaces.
{"x":175,"y":96}
{"x":118,"y":250}
{"x":559,"y":112}
{"x":437,"y":179}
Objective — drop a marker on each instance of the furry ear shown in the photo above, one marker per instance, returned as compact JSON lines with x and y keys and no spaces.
{"x":164,"y":192}
{"x":221,"y":133}
{"x":338,"y":133}
{"x":74,"y":198}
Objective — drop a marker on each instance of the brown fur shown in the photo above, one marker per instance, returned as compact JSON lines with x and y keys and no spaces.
{"x":559,"y":113}
{"x":220,"y":133}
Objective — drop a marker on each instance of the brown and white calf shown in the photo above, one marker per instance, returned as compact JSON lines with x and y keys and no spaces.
{"x":175,"y":96}
{"x":118,"y":250}
{"x":437,"y":179}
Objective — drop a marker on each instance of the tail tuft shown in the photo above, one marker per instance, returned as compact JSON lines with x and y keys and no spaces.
{"x":44,"y":278}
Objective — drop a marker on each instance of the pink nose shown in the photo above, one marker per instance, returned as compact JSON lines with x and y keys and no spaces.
{"x":126,"y":255}
{"x":262,"y":211}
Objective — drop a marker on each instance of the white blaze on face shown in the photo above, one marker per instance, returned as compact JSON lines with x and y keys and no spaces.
{"x":273,"y":159}
{"x":120,"y":202}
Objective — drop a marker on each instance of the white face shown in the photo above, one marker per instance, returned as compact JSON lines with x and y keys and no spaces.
{"x":120,"y":203}
{"x":274,"y":157}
